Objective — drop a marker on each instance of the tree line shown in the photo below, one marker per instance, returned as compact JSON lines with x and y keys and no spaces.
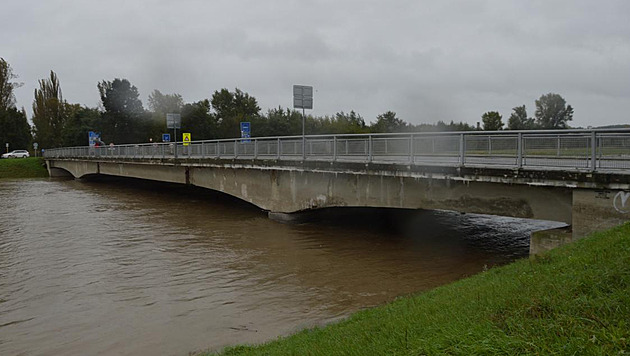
{"x":552,"y":112}
{"x":122,"y":118}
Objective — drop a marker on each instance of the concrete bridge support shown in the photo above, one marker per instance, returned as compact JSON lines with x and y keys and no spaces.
{"x":288,"y":189}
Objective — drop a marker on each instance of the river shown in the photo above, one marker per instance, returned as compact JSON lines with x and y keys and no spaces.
{"x":125,"y":267}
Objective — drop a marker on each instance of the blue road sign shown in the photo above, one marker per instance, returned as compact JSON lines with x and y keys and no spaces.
{"x":246,"y":130}
{"x":166,"y":137}
{"x":93,"y":137}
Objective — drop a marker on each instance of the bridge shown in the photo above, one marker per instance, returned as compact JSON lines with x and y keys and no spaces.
{"x":580,"y":177}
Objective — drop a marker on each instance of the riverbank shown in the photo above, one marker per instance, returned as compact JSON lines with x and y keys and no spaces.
{"x":32,"y":167}
{"x":572,"y":300}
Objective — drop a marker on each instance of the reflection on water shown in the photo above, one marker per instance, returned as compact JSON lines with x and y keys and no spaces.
{"x":136,"y":268}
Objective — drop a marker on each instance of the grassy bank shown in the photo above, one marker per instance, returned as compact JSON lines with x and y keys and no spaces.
{"x":574,"y":300}
{"x":32,"y":167}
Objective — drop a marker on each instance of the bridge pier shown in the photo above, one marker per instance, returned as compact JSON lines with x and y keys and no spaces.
{"x":598,"y":209}
{"x":545,"y":240}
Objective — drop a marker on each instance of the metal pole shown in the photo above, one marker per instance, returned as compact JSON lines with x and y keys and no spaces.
{"x":255,"y":148}
{"x":303,"y":133}
{"x":593,"y":150}
{"x":490,"y":144}
{"x":279,"y":148}
{"x":558,"y":147}
{"x":175,"y":140}
{"x":334,"y":148}
{"x":370,"y":148}
{"x":411,"y":149}
{"x":519,"y":151}
{"x":462,"y":149}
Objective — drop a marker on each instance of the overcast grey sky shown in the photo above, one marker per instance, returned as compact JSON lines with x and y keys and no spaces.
{"x":425,"y":60}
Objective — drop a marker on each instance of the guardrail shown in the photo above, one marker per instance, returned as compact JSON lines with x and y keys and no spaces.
{"x":587,"y":150}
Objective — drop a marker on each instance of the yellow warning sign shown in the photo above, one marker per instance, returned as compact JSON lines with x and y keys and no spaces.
{"x":186,"y":138}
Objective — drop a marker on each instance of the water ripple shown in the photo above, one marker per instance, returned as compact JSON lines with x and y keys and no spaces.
{"x":125,"y":268}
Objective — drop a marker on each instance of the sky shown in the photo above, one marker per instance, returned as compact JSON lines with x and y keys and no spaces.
{"x":425,"y":60}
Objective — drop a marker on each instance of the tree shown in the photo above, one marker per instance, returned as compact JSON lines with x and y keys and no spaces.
{"x":492,"y":121}
{"x":49,"y":112}
{"x":15,"y":129}
{"x":231,"y":108}
{"x":278,"y":122}
{"x":165,"y":103}
{"x":388,"y":122}
{"x":79,"y":122}
{"x":123,"y":119}
{"x":344,"y":123}
{"x":519,"y":121}
{"x":197,"y":119}
{"x":160,"y":105}
{"x":552,"y":112}
{"x":7,"y":97}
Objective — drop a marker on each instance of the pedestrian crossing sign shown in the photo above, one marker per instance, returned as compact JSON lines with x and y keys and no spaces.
{"x":186,"y":138}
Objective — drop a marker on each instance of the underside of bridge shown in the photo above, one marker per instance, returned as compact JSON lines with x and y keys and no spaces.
{"x":286,"y":189}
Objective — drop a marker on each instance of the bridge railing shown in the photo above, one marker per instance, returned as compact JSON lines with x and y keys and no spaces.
{"x":590,"y":150}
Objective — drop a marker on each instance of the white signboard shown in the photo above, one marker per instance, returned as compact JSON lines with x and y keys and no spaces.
{"x":302,"y":97}
{"x":173,"y":121}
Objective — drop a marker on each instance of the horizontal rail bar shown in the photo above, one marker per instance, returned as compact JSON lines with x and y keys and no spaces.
{"x":602,"y":149}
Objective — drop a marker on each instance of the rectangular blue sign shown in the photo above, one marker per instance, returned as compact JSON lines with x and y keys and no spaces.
{"x":93,"y":138}
{"x":246,"y":130}
{"x":166,"y":137}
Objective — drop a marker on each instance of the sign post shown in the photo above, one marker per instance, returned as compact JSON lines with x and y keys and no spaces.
{"x":35,"y":144}
{"x":174,"y":121}
{"x":7,"y":146}
{"x":303,"y":98}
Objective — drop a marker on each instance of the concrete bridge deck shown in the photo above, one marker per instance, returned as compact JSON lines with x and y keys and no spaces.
{"x":578,"y":177}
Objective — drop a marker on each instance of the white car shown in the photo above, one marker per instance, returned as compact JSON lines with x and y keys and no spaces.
{"x":16,"y":154}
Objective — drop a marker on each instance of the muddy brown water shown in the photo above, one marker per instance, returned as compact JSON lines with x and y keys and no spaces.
{"x":127,"y":267}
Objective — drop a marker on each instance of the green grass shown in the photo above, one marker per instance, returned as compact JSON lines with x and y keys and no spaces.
{"x":32,"y":167}
{"x":574,"y":300}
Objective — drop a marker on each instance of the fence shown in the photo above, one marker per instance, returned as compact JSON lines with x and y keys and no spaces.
{"x":591,"y":150}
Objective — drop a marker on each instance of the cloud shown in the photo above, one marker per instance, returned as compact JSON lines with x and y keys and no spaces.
{"x":426,"y":60}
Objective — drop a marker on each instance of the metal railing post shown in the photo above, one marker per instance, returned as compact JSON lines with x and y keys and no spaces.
{"x":490,"y":145}
{"x":370,"y":148}
{"x":235,"y":148}
{"x":462,"y":150}
{"x":334,"y":148}
{"x":558,"y":146}
{"x":519,"y":151}
{"x":279,"y":148}
{"x":411,"y":153}
{"x":255,"y":148}
{"x":593,"y":151}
